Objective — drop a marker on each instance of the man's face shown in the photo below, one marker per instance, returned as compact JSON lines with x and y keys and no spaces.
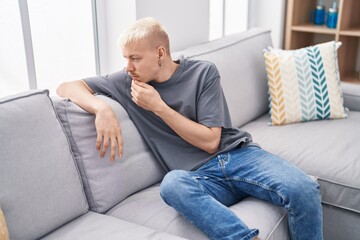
{"x":142,"y":60}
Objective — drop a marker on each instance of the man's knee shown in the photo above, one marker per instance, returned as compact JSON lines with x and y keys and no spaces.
{"x":171,"y":183}
{"x":302,"y":192}
{"x":313,"y":190}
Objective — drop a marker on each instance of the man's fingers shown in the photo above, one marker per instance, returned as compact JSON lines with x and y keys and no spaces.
{"x":115,"y":143}
{"x":104,"y":147}
{"x":112,"y":149}
{"x":134,"y":94}
{"x":108,"y":134}
{"x":135,"y":87}
{"x":119,"y":144}
{"x":141,"y":84}
{"x":98,"y":141}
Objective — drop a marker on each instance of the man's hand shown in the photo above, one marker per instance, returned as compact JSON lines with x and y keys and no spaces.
{"x":198,"y":135}
{"x":108,"y":133}
{"x":146,"y":96}
{"x":106,"y":123}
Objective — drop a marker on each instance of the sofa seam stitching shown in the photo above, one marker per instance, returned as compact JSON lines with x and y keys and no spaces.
{"x":71,"y":153}
{"x":28,"y":94}
{"x":276,"y":225}
{"x":341,"y":207}
{"x":80,"y":162}
{"x":338,"y":183}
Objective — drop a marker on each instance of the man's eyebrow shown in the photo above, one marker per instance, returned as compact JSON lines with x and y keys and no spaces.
{"x":131,"y":56}
{"x":134,"y":55}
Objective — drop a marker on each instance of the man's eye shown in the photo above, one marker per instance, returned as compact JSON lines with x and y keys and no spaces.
{"x":135,"y":59}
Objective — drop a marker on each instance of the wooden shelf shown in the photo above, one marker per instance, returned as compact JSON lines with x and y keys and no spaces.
{"x":351,"y":79}
{"x":313,"y":29}
{"x":355,"y":32}
{"x":301,"y":32}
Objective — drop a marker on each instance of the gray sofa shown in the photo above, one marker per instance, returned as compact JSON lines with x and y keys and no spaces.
{"x":54,"y":185}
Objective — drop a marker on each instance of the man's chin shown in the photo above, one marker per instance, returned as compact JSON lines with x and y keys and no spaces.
{"x":136,"y":78}
{"x":140,"y":79}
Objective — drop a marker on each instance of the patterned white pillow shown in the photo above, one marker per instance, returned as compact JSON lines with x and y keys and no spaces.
{"x":304,"y":84}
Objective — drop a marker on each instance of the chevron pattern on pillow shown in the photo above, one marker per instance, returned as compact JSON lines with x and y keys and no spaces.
{"x":304,"y":84}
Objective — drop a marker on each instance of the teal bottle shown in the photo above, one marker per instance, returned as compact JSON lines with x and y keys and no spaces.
{"x":332,"y":16}
{"x":319,"y":14}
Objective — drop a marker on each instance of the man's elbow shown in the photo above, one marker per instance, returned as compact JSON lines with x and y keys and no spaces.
{"x":212,"y":144}
{"x":212,"y":147}
{"x":61,"y":89}
{"x":71,"y":89}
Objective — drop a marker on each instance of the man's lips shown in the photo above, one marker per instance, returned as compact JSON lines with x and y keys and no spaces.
{"x":133,"y":75}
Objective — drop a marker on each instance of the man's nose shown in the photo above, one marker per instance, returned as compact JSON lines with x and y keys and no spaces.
{"x":129,"y":67}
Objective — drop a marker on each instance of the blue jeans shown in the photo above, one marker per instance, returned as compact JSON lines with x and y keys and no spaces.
{"x":202,"y":196}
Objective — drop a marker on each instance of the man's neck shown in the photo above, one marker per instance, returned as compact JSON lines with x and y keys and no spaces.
{"x":168,"y":69}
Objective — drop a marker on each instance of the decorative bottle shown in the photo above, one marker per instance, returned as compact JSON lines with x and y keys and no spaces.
{"x":319,"y":14}
{"x":332,"y":16}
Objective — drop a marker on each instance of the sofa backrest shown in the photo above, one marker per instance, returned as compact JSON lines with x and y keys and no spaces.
{"x":40,"y":187}
{"x":240,"y":61}
{"x":108,"y":183}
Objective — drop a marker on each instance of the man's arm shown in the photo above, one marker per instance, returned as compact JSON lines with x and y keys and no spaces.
{"x":107,"y":126}
{"x":196,"y":134}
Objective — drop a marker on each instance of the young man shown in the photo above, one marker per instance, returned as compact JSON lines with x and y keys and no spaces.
{"x":180,"y":110}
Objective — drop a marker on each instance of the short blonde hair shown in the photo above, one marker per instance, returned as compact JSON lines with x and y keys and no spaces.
{"x":146,"y":28}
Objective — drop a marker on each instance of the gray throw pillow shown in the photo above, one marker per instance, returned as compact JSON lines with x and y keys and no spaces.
{"x":108,"y":183}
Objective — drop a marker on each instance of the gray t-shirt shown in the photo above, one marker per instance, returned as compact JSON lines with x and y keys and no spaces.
{"x":194,"y":91}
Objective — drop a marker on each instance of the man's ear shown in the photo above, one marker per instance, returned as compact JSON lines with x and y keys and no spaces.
{"x":161,"y":52}
{"x":161,"y":55}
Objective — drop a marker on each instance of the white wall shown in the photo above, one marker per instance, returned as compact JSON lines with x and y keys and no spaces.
{"x":185,"y":25}
{"x":68,"y":52}
{"x":270,"y":15}
{"x":113,"y":17}
{"x":186,"y":21}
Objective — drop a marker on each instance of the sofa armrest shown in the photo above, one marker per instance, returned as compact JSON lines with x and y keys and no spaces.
{"x":351,"y":93}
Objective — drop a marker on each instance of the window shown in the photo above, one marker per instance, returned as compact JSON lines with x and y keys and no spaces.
{"x":13,"y":73}
{"x":45,"y":43}
{"x":63,"y":43}
{"x":60,"y":33}
{"x":227,"y":17}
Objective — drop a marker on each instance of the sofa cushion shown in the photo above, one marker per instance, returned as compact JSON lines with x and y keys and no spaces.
{"x":40,"y":187}
{"x":351,"y":93}
{"x":326,"y":149}
{"x":152,"y":211}
{"x":94,"y":226}
{"x":234,"y":55}
{"x":106,"y":182}
{"x":340,"y":223}
{"x":304,"y":84}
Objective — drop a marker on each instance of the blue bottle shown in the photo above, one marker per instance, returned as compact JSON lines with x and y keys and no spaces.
{"x":332,"y":16}
{"x":319,"y":14}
